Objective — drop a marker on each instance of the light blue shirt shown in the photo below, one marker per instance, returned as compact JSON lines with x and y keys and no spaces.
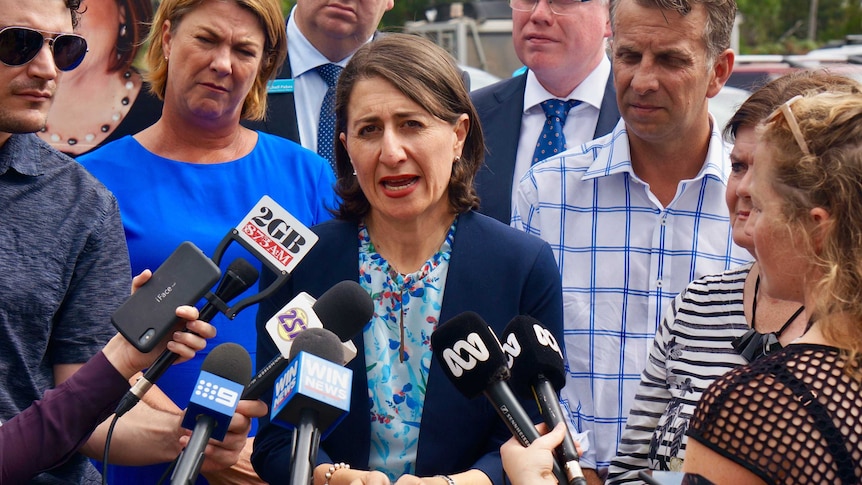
{"x":398,"y":350}
{"x":308,"y":87}
{"x":623,"y":257}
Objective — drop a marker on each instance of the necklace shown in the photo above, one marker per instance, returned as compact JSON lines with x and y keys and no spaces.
{"x":752,"y":344}
{"x":117,"y":114}
{"x":754,"y":311}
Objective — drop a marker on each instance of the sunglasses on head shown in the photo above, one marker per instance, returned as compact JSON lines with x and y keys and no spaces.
{"x":20,"y":45}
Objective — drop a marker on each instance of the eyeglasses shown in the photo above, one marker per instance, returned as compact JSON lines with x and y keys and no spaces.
{"x":559,"y":7}
{"x":785,"y":110}
{"x":20,"y":45}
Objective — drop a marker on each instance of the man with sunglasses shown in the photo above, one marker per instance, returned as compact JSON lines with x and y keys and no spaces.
{"x":562,"y":43}
{"x":64,"y":266}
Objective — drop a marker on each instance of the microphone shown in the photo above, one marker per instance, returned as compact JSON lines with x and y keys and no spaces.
{"x":240,"y":276}
{"x":312,"y":394}
{"x":224,"y":373}
{"x":344,"y":310}
{"x":537,"y":368}
{"x":471,"y":356}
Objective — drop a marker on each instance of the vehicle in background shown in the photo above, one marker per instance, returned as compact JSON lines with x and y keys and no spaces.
{"x":753,"y":71}
{"x":724,"y":104}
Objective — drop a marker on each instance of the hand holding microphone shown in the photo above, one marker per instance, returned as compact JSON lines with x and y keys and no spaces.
{"x":533,"y":465}
{"x":537,"y":367}
{"x":471,"y":356}
{"x":223,"y":376}
{"x":240,"y":275}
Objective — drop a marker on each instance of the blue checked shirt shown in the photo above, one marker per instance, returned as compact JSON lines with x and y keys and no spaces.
{"x":623,"y":258}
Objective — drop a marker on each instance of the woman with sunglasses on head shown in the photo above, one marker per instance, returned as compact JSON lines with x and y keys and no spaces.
{"x":105,"y":98}
{"x":794,"y":416}
{"x":195,"y":173}
{"x":718,"y":322}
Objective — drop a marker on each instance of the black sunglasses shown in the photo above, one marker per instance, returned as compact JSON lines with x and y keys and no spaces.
{"x":20,"y":45}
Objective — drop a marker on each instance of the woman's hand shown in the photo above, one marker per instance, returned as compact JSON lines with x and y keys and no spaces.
{"x":533,"y":464}
{"x":349,"y":476}
{"x":128,"y":360}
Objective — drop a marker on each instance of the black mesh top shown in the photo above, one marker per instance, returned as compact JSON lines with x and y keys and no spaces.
{"x":792,"y":417}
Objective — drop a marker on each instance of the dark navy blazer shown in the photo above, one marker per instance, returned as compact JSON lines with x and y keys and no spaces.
{"x":494,"y":270}
{"x":500,"y":107}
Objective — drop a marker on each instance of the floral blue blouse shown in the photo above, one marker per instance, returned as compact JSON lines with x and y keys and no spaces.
{"x":398,"y":350}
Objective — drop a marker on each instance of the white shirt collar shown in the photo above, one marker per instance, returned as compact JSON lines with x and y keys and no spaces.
{"x":589,"y":91}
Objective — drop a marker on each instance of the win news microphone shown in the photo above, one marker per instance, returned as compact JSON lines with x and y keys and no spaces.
{"x":537,"y":368}
{"x":224,"y":373}
{"x":239,"y":276}
{"x":311,"y":397}
{"x":344,"y":310}
{"x":471,"y":356}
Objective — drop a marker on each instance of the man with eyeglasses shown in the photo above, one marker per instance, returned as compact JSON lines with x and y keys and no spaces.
{"x":64,"y":266}
{"x":562,"y":44}
{"x":636,"y":215}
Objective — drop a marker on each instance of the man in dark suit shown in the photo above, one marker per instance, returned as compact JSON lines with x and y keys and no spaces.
{"x":563,"y":47}
{"x":319,"y":33}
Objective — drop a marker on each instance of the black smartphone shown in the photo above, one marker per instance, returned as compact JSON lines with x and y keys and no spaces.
{"x":183,"y":279}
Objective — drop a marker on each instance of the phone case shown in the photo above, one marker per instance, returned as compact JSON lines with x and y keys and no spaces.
{"x":183,"y":279}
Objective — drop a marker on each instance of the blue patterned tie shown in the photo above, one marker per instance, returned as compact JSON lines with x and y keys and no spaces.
{"x":552,"y":140}
{"x":326,"y":123}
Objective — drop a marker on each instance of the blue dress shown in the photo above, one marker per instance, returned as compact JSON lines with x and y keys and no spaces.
{"x":164,"y":202}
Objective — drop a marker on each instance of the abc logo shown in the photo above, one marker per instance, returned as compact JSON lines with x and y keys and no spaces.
{"x":475,"y":349}
{"x":512,"y":348}
{"x":546,"y":338}
{"x":214,"y":392}
{"x":291,"y":323}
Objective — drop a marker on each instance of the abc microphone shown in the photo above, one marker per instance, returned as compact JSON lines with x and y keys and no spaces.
{"x":470,"y":355}
{"x":537,"y":368}
{"x":312,"y":394}
{"x":344,"y":310}
{"x":239,"y":276}
{"x":224,"y":373}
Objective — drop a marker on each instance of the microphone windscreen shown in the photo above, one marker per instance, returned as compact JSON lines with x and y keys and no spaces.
{"x":469,"y":353}
{"x":239,"y":276}
{"x":344,"y":309}
{"x":243,"y":270}
{"x":534,"y":351}
{"x":320,"y":342}
{"x":229,"y":361}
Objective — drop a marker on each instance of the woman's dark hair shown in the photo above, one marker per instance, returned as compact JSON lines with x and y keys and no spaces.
{"x":132,"y":33}
{"x":429,"y":76}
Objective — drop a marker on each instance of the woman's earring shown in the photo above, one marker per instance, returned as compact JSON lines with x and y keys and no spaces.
{"x":122,"y":30}
{"x":457,"y":159}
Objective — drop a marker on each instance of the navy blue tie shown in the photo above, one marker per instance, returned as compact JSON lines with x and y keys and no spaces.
{"x":552,"y":140}
{"x":326,"y":123}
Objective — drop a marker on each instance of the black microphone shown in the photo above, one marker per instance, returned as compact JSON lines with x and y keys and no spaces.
{"x":538,"y":369}
{"x":240,"y":276}
{"x":344,"y":310}
{"x":224,"y":373}
{"x":470,"y":354}
{"x":312,"y":396}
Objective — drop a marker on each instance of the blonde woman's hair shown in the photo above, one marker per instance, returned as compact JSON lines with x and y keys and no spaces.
{"x":829,"y":177}
{"x":268,"y":13}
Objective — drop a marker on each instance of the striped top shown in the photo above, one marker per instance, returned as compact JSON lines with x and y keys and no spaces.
{"x":692,"y":348}
{"x":623,"y":257}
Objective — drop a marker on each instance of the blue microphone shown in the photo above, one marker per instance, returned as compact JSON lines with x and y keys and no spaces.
{"x":311,"y":395}
{"x":224,"y":374}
